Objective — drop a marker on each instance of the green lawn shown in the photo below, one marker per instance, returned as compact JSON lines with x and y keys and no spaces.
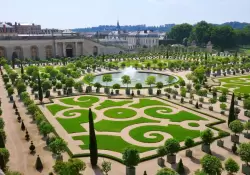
{"x":84,"y":101}
{"x":147,"y":102}
{"x":239,"y":85}
{"x":112,"y":143}
{"x":110,"y":103}
{"x":120,"y":113}
{"x":177,"y":132}
{"x":193,"y":124}
{"x":55,"y":108}
{"x":118,"y":126}
{"x":72,"y":125}
{"x":179,"y":117}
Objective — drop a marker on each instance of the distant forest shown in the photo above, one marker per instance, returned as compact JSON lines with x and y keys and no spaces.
{"x":162,"y":28}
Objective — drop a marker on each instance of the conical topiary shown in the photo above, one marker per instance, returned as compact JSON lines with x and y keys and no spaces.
{"x":14,"y":105}
{"x":2,"y":144}
{"x":145,"y":173}
{"x":231,"y":116}
{"x":32,"y":147}
{"x":16,"y":112}
{"x":197,"y":105}
{"x":2,"y":163}
{"x":180,"y":168}
{"x":19,"y":118}
{"x":27,"y":136}
{"x":39,"y":164}
{"x":22,"y":126}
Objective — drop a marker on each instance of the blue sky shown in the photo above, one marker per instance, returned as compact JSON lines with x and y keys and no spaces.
{"x":85,"y":13}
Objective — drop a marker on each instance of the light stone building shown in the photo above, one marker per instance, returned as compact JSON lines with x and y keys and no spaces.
{"x":42,"y":47}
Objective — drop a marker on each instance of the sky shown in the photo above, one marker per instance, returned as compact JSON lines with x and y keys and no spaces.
{"x":68,"y":14}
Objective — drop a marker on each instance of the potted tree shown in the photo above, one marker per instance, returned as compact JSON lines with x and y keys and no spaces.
{"x":231,"y":166}
{"x":212,"y":101}
{"x":126,"y":80}
{"x":116,"y":87}
{"x":172,"y":146}
{"x":149,"y":81}
{"x":88,"y":79}
{"x":138,"y":86}
{"x":98,"y":86}
{"x":159,"y":86}
{"x":161,"y":152}
{"x":59,"y":87}
{"x":247,"y":128}
{"x":131,"y":159}
{"x":244,"y":153}
{"x":189,"y":142}
{"x":211,"y":165}
{"x":220,"y":142}
{"x":207,"y":139}
{"x":107,"y":78}
{"x":237,"y":127}
{"x":223,"y":107}
{"x":57,"y":147}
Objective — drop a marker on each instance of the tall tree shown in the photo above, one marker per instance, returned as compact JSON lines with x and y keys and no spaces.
{"x":21,"y":64}
{"x":201,"y":32}
{"x":40,"y":91}
{"x":2,"y":144}
{"x":13,"y":61}
{"x":2,"y":163}
{"x":231,"y":116}
{"x":179,"y":32}
{"x":92,"y":141}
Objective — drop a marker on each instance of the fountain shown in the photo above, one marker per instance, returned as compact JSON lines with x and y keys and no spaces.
{"x":130,"y":71}
{"x":135,"y":76}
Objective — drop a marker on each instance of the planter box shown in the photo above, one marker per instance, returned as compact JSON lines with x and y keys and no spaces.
{"x":138,"y":92}
{"x":150,"y":91}
{"x":246,"y":169}
{"x":191,"y":102}
{"x":160,"y":162}
{"x":171,"y":159}
{"x":127,"y":91}
{"x":158,"y":92}
{"x":220,"y":143}
{"x":59,"y":93}
{"x":235,"y":138}
{"x":247,"y":135}
{"x":130,"y":170}
{"x":200,"y":105}
{"x":205,"y":148}
{"x":211,"y":108}
{"x":116,"y":91}
{"x":106,"y":90}
{"x":97,"y":90}
{"x":189,"y":153}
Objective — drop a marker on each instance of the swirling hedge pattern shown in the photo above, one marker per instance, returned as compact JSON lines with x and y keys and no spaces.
{"x":123,"y":123}
{"x":120,"y":113}
{"x":85,"y":101}
{"x":178,"y":117}
{"x":176,"y":131}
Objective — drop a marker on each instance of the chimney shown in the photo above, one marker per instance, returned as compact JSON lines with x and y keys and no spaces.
{"x":145,"y":31}
{"x":4,"y":28}
{"x":33,"y":24}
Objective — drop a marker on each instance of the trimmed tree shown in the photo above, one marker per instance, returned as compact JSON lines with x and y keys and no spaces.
{"x":92,"y":141}
{"x":207,"y":138}
{"x":237,"y":127}
{"x":131,"y":159}
{"x":39,"y":164}
{"x":180,"y":167}
{"x":166,"y":171}
{"x":211,"y":165}
{"x":2,"y":163}
{"x":172,"y":146}
{"x":58,"y":146}
{"x":106,"y":167}
{"x":244,"y":153}
{"x":2,"y":144}
{"x":231,"y":116}
{"x":40,"y":91}
{"x":231,"y":166}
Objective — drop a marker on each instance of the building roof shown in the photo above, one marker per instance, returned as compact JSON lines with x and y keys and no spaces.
{"x":6,"y":25}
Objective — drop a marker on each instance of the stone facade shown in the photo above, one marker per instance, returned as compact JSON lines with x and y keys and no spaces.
{"x":41,"y":48}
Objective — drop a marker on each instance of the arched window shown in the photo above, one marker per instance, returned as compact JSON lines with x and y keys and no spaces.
{"x":48,"y":51}
{"x":34,"y":52}
{"x":2,"y":52}
{"x":19,"y":52}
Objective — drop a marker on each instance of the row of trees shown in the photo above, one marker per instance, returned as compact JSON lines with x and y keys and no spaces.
{"x":221,"y":36}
